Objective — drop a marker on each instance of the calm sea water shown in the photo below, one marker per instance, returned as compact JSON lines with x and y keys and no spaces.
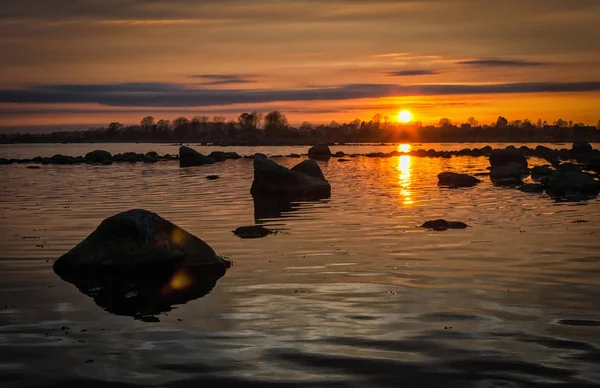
{"x":350,"y":292}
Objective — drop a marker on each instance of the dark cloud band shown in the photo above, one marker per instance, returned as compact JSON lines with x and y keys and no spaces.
{"x":175,"y":95}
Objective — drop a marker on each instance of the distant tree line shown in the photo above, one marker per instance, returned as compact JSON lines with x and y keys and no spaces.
{"x":273,"y":128}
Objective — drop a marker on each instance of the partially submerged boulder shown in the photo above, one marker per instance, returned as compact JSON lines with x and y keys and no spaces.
{"x":310,"y":168}
{"x":539,"y":171}
{"x":319,"y":150}
{"x":511,"y":170}
{"x":272,"y":179}
{"x":139,"y":238}
{"x":98,"y":156}
{"x":455,"y":180}
{"x":189,"y":157}
{"x":254,"y":231}
{"x":581,"y":147}
{"x":532,"y":188}
{"x":507,"y":156}
{"x":562,"y":183}
{"x":442,"y":224}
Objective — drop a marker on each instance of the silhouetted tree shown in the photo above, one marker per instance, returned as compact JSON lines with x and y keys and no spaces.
{"x":472,"y":122}
{"x":275,"y":121}
{"x":444,"y":122}
{"x":250,"y":120}
{"x":539,"y":123}
{"x":561,"y":123}
{"x":376,"y":120}
{"x":147,"y":123}
{"x":501,"y":122}
{"x":306,"y":126}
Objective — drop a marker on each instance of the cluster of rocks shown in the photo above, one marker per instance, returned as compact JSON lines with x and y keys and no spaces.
{"x":94,"y":157}
{"x":509,"y":166}
{"x":189,"y":157}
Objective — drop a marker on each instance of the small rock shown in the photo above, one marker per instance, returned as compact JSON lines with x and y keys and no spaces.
{"x":454,"y":180}
{"x":442,"y":224}
{"x":33,"y":167}
{"x":98,"y":156}
{"x":532,"y":188}
{"x":254,"y":231}
{"x":508,"y":182}
{"x":541,"y":171}
{"x":212,"y":177}
{"x":319,"y":150}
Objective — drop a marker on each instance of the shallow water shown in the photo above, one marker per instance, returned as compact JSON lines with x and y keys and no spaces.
{"x":349,"y":292}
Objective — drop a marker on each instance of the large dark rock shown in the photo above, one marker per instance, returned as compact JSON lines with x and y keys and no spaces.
{"x":319,"y":150}
{"x":539,"y":171}
{"x":581,"y":147}
{"x":139,"y":238}
{"x":98,"y":156}
{"x":565,"y":182}
{"x":567,"y":167}
{"x":511,"y":170}
{"x":454,"y":180}
{"x":542,"y":151}
{"x":532,"y":188}
{"x":507,"y":156}
{"x":311,"y":168}
{"x":444,"y":225}
{"x":62,"y":159}
{"x":272,"y":179}
{"x":218,"y":156}
{"x":508,"y":182}
{"x":189,"y":157}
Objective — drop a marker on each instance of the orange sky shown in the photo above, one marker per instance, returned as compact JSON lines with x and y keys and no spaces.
{"x":92,"y":62}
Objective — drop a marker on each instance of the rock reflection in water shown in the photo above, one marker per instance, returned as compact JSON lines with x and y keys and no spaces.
{"x":144,"y":293}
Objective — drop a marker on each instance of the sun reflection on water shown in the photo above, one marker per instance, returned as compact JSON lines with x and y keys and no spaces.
{"x":404,"y":178}
{"x":404,"y":148}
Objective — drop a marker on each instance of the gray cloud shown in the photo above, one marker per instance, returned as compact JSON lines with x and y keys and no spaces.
{"x":410,"y":73}
{"x":496,"y":62}
{"x":176,"y":95}
{"x":222,"y":79}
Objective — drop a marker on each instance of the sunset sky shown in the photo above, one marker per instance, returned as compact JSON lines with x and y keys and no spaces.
{"x":90,"y":62}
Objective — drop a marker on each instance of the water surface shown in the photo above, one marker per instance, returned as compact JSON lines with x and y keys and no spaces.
{"x":349,"y":292}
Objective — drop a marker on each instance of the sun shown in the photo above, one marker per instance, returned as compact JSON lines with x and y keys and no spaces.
{"x":405,"y":116}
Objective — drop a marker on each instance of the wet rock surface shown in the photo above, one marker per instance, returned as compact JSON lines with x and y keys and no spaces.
{"x":189,"y":157}
{"x":139,"y":238}
{"x":272,"y":179}
{"x":253,"y":231}
{"x":442,"y":224}
{"x":455,"y":180}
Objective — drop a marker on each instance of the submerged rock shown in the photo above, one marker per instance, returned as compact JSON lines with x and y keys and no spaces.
{"x":562,"y":183}
{"x":272,"y":179}
{"x":232,"y":155}
{"x":310,"y":168}
{"x":319,"y":150}
{"x":532,"y":188}
{"x":33,"y":167}
{"x":139,"y":238}
{"x":254,"y":231}
{"x":581,"y":147}
{"x":508,"y":182}
{"x":189,"y":157}
{"x":218,"y":156}
{"x":343,"y":160}
{"x":212,"y":177}
{"x":539,"y":171}
{"x":455,"y":180}
{"x":149,"y":159}
{"x":511,"y":170}
{"x":98,"y":156}
{"x":507,"y":156}
{"x":442,"y":224}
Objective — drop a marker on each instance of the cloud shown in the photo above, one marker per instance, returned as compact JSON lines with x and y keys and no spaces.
{"x":176,"y":95}
{"x":491,"y":62}
{"x":410,"y":73}
{"x":222,"y":79}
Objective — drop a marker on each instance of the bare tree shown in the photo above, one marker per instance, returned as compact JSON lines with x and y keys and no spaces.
{"x":147,"y":123}
{"x":444,"y":122}
{"x":472,"y":121}
{"x":275,"y":120}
